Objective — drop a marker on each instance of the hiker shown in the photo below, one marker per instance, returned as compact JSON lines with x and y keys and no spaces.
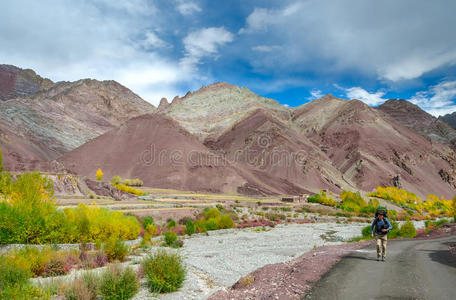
{"x":382,"y":226}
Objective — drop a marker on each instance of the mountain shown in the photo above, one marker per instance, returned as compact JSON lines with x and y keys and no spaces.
{"x":16,"y":82}
{"x":64,"y":116}
{"x":158,"y":150}
{"x":370,"y":149}
{"x":411,"y":116}
{"x":278,"y":155}
{"x":450,"y":119}
{"x":213,"y":109}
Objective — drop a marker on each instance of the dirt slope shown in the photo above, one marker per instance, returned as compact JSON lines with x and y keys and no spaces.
{"x":160,"y":152}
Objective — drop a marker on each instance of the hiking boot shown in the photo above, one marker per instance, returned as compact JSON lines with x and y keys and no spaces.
{"x":378,"y":258}
{"x":383,"y":259}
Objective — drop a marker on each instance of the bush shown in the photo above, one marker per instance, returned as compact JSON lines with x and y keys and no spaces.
{"x":152,"y":230}
{"x":171,"y":223}
{"x":146,"y":221}
{"x":225,"y":222}
{"x":115,"y":249}
{"x":82,"y":288}
{"x":407,"y":230}
{"x":212,"y":213}
{"x":129,"y":189}
{"x":170,"y":237}
{"x":118,"y":283}
{"x":164,"y":272}
{"x":322,"y":198}
{"x":211,"y":224}
{"x":116,"y":180}
{"x":189,"y":227}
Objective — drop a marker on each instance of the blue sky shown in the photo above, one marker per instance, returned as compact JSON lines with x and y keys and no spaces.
{"x":292,"y":50}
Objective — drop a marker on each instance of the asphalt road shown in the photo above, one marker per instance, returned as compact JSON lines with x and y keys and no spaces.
{"x":414,"y":269}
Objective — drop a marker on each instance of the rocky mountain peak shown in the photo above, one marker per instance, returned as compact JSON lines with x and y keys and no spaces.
{"x":16,"y":82}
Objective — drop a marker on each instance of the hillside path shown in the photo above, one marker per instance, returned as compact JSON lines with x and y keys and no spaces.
{"x":414,"y":269}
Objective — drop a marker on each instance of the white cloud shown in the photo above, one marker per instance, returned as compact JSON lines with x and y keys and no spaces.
{"x":388,"y":40}
{"x":152,"y":41}
{"x":438,"y":100}
{"x":204,"y":42}
{"x":316,"y":94}
{"x":187,"y":7}
{"x":266,"y":48}
{"x":363,"y":95}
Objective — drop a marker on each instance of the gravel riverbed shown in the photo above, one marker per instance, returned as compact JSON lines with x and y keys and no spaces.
{"x":217,"y":261}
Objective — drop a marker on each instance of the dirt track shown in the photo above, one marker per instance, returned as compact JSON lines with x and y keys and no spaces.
{"x":415,"y":269}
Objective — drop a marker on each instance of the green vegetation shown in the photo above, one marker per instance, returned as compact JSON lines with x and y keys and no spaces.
{"x":407,"y":230}
{"x":115,"y":249}
{"x":322,"y":198}
{"x":29,"y":215}
{"x":118,"y":283}
{"x":189,"y":227}
{"x":164,"y":272}
{"x":115,"y":180}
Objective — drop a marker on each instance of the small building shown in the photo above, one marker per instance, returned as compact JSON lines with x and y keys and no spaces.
{"x":296,"y":199}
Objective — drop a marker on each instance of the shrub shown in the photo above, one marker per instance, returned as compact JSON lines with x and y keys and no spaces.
{"x":147,"y":221}
{"x":116,"y":180}
{"x":366,"y":231}
{"x":352,"y":202}
{"x":152,"y":230}
{"x":129,"y":189}
{"x":164,"y":272}
{"x":115,"y":249}
{"x":407,"y":230}
{"x":170,"y":237}
{"x":82,"y":288}
{"x":225,"y":222}
{"x":189,"y":227}
{"x":171,"y":223}
{"x":118,"y":283}
{"x":212,"y":213}
{"x":211,"y":224}
{"x":322,"y":198}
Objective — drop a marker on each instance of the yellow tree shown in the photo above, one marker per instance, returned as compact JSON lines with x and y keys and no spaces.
{"x":99,"y":175}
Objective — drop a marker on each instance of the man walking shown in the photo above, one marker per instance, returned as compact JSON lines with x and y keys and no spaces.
{"x":382,"y":226}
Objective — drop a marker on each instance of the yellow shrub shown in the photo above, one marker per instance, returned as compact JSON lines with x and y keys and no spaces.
{"x":129,"y":189}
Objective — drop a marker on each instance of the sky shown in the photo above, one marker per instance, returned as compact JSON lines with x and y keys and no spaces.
{"x":293,"y":51}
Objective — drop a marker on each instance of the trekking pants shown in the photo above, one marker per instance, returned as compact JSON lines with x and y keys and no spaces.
{"x":381,"y":245}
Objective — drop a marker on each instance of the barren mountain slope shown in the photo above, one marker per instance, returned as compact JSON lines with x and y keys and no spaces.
{"x":158,"y":150}
{"x":450,"y":119}
{"x":69,"y":114}
{"x":413,"y":117}
{"x":213,"y":109}
{"x":278,"y":155}
{"x":16,"y":82}
{"x":370,"y":149}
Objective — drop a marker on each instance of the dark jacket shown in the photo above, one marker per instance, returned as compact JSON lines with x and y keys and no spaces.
{"x":381,"y":224}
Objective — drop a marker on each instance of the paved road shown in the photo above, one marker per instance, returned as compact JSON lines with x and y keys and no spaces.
{"x":416,"y":269}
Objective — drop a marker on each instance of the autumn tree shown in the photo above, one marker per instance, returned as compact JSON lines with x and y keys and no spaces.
{"x":99,"y":175}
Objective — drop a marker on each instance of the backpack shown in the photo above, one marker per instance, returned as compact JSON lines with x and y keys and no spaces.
{"x":383,"y":209}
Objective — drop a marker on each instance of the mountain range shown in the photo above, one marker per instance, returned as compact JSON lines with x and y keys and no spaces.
{"x":223,"y":138}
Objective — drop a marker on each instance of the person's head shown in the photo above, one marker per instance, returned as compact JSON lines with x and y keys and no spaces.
{"x":380,"y":215}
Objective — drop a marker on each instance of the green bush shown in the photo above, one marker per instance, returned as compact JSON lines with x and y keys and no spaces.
{"x":15,"y":282}
{"x":164,"y":272}
{"x":116,"y":180}
{"x":118,"y":283}
{"x":407,"y":230}
{"x":171,"y":223}
{"x":211,"y":224}
{"x":115,"y":249}
{"x":366,"y":231}
{"x":225,"y":222}
{"x":170,"y":237}
{"x":212,"y":213}
{"x":189,"y":227}
{"x":147,"y":221}
{"x":322,"y":198}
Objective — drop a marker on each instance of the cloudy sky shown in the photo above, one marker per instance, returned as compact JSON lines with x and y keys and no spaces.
{"x":290,"y":50}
